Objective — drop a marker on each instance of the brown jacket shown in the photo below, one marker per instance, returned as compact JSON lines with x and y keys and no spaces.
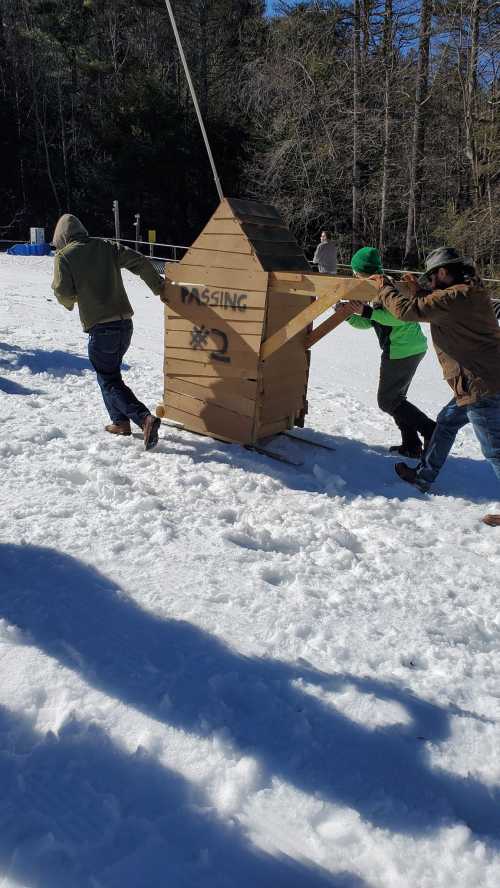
{"x":464,"y":331}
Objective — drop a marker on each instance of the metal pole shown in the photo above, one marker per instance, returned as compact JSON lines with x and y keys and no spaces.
{"x":137,"y":227}
{"x":195,"y":100}
{"x":116,"y":213}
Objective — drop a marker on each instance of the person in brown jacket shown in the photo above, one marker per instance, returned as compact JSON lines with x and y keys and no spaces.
{"x":466,"y":336}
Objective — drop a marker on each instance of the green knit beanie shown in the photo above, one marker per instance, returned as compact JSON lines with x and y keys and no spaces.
{"x":367,"y":261}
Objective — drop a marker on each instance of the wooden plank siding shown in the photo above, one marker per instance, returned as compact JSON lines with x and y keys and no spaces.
{"x":220,"y":310}
{"x":204,"y":389}
{"x":182,"y":366}
{"x":214,"y":340}
{"x":229,"y":279}
{"x":214,"y":421}
{"x":213,"y":297}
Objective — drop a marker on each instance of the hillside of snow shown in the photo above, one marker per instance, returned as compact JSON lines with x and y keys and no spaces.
{"x":220,"y":670}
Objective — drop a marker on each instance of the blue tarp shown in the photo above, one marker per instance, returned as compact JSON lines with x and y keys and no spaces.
{"x":30,"y":250}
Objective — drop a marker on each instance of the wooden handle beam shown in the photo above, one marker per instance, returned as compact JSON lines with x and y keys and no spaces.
{"x":324,"y":328}
{"x":339,"y":288}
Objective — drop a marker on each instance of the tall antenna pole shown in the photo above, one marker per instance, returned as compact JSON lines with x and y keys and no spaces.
{"x":195,"y":100}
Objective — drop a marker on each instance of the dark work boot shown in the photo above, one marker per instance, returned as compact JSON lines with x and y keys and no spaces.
{"x":410,"y":446}
{"x":150,"y":428}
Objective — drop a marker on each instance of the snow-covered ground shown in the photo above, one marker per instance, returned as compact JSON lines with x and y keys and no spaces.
{"x":218,"y":670}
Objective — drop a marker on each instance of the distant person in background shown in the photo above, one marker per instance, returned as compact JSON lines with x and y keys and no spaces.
{"x":403,"y":347}
{"x":325,"y":256}
{"x":453,"y":300}
{"x":87,"y":272}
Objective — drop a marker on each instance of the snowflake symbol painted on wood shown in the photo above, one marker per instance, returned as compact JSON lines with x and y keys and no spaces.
{"x":199,"y":337}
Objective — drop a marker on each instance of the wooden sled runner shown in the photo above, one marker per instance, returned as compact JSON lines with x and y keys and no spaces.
{"x":238,"y":326}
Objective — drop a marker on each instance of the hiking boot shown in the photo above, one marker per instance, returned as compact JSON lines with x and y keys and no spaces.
{"x":410,"y":451}
{"x":150,"y":428}
{"x":122,"y":427}
{"x":492,"y":520}
{"x":409,"y":474}
{"x":411,"y":445}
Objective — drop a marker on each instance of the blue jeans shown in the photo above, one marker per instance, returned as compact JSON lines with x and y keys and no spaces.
{"x":484,"y":417}
{"x":107,"y":346}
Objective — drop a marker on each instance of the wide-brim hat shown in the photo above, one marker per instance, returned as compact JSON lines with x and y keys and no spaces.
{"x":445,"y":256}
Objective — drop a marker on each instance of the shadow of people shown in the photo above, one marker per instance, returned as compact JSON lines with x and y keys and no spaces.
{"x":9,"y":387}
{"x":351,"y":469}
{"x":40,"y":360}
{"x":274,"y":711}
{"x":76,"y":810}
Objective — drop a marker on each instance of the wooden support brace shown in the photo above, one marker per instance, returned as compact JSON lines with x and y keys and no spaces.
{"x":324,"y":328}
{"x":341,"y":288}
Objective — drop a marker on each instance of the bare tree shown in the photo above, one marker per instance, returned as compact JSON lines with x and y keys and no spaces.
{"x":418,"y":138}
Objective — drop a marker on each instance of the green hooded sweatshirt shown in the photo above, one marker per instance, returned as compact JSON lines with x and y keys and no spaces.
{"x":87,"y":271}
{"x":398,"y":339}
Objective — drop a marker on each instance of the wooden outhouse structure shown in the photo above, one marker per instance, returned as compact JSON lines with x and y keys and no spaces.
{"x":238,"y":326}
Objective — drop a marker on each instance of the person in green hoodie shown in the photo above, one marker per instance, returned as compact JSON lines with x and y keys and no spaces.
{"x":87,"y":273}
{"x":403,"y":347}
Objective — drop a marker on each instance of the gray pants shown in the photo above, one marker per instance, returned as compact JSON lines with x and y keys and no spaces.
{"x":395,"y":378}
{"x":396,"y":375}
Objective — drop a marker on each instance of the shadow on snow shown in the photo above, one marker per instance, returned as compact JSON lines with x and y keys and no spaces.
{"x":178,"y":674}
{"x":9,"y":387}
{"x":353,"y":469}
{"x":39,"y":360}
{"x":76,"y":808}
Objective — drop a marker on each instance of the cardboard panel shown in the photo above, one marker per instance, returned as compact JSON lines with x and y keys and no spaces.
{"x":242,"y":281}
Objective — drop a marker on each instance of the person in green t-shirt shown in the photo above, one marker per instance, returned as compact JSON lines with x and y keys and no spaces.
{"x":403,"y":347}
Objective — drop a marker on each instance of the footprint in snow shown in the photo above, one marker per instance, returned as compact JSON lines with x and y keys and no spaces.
{"x":273,"y":577}
{"x":263,"y":542}
{"x":229,"y":516}
{"x":74,"y":476}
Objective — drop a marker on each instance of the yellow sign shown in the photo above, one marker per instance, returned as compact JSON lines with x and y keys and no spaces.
{"x":152,"y":236}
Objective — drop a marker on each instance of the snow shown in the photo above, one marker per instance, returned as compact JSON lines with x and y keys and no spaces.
{"x":220,"y":670}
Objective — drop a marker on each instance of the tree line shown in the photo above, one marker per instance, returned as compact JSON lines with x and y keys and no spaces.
{"x":378,"y":119}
